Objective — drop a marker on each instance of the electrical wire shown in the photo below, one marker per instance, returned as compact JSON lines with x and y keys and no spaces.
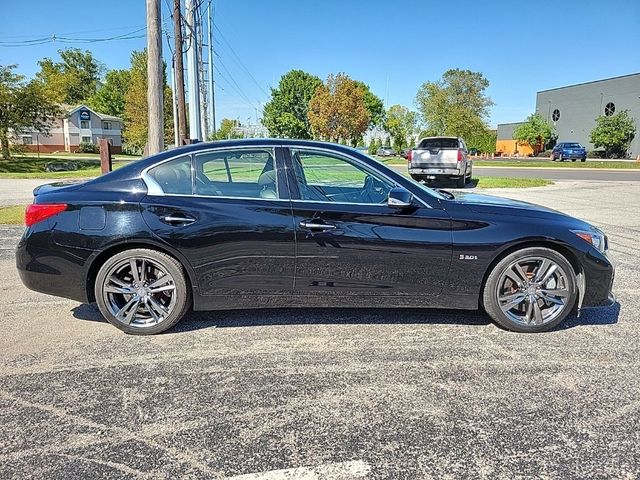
{"x":240,"y":62}
{"x":63,"y":39}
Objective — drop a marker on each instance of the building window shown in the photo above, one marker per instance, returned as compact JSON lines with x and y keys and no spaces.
{"x":27,"y":140}
{"x":84,"y":123}
{"x":106,"y":125}
{"x":609,"y":109}
{"x":555,"y":115}
{"x":85,"y":139}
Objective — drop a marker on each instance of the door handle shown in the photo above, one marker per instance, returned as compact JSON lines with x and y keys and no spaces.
{"x":173,"y":219}
{"x":317,"y":226}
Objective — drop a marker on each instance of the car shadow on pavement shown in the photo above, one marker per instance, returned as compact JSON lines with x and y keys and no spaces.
{"x":349,"y":316}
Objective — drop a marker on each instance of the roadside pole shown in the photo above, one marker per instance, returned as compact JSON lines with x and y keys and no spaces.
{"x":195,"y":133}
{"x":155,"y":89}
{"x":106,"y":164}
{"x":179,"y":74}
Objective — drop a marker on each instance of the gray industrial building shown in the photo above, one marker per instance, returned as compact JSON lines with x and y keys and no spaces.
{"x":573,"y":109}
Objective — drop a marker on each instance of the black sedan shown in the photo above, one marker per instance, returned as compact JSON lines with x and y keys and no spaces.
{"x":268,"y":223}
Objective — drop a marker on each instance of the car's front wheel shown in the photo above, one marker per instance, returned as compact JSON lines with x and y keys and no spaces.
{"x":530,"y":290}
{"x":142,"y":291}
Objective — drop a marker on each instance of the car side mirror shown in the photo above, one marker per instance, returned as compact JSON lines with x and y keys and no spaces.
{"x":400,"y":198}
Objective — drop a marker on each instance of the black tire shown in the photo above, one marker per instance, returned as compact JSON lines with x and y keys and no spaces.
{"x":469,"y":178}
{"x":460,"y":182}
{"x":573,"y":159}
{"x":583,"y":159}
{"x":491,"y":289}
{"x":178,"y":305}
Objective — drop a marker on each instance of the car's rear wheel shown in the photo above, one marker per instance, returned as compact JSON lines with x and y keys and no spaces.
{"x":460,"y":182}
{"x":583,"y":159}
{"x":530,"y":290}
{"x":142,"y":291}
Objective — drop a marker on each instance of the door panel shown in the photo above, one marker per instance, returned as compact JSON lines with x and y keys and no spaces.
{"x":361,"y":246}
{"x":234,"y":246}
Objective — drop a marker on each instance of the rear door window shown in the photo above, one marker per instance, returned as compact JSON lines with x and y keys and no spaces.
{"x":247,"y":173}
{"x":438,"y":143}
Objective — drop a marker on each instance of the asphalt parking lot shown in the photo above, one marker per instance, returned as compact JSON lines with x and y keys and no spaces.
{"x":331,"y":394}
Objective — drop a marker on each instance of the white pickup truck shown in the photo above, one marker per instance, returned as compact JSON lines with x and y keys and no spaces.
{"x":438,"y":158}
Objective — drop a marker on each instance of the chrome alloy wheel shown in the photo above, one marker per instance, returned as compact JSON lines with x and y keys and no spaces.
{"x":533,"y":291}
{"x":139,"y":292}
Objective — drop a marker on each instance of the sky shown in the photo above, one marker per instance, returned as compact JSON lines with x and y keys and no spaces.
{"x":394,"y":46}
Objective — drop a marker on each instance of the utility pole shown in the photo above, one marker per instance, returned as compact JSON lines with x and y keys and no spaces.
{"x":181,"y":126}
{"x":155,"y":89}
{"x":212,"y":98}
{"x":192,"y":71}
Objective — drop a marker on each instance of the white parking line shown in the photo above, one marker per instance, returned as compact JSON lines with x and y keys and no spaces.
{"x":328,"y":471}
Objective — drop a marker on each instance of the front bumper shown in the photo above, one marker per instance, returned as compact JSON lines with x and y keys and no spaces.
{"x":599,"y":273}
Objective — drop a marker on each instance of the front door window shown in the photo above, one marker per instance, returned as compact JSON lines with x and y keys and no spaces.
{"x":326,"y":177}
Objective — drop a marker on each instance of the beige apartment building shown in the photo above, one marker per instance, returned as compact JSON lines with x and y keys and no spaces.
{"x":76,"y":125}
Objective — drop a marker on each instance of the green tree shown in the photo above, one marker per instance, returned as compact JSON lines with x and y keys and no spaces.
{"x":456,"y":105}
{"x":400,"y":123}
{"x":484,"y":142}
{"x":373,"y":146}
{"x":374,"y":104}
{"x":110,"y":97}
{"x":614,"y":133}
{"x":22,"y":106}
{"x":285,"y":115}
{"x":73,"y":80}
{"x":535,"y":131}
{"x":337,"y":110}
{"x":226,"y":130}
{"x":136,"y":121}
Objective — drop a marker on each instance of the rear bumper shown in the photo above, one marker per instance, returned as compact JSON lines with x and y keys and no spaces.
{"x":435,"y":171}
{"x":54,"y":271}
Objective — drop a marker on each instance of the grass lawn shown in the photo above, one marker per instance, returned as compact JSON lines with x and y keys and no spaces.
{"x":12,"y":215}
{"x":506,"y":182}
{"x":33,"y":167}
{"x":566,"y":164}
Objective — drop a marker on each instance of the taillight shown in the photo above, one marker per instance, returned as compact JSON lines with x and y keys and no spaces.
{"x":460,"y":156}
{"x":409,"y":155}
{"x":38,"y":212}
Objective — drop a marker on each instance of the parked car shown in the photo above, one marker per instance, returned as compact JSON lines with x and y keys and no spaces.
{"x":441,"y":158}
{"x":404,"y":153}
{"x":261,"y":223}
{"x":569,"y":151}
{"x":386,"y":152}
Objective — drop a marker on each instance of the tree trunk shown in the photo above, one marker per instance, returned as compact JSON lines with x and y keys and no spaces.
{"x":4,"y":140}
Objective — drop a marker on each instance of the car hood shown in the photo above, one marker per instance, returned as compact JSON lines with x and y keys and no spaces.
{"x":505,"y":206}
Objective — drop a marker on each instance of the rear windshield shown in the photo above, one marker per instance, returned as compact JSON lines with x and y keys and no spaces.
{"x":572,"y":145}
{"x":433,"y":143}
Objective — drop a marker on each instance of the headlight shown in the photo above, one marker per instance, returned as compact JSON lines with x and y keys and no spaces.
{"x":594,"y":237}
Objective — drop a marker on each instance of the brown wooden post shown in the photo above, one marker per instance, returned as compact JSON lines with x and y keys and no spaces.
{"x":105,"y":156}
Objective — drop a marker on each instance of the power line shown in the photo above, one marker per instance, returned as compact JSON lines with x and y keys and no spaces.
{"x":47,"y":35}
{"x":240,"y":60}
{"x":62,"y":39}
{"x":234,"y":84}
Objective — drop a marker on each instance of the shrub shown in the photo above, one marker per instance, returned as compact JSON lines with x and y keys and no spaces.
{"x":88,"y":147}
{"x":129,"y":149}
{"x":545,"y":153}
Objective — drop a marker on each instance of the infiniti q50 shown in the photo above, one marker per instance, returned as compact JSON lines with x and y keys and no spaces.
{"x":268,"y":223}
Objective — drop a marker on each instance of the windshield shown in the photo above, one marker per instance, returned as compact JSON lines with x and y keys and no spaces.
{"x":572,"y":145}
